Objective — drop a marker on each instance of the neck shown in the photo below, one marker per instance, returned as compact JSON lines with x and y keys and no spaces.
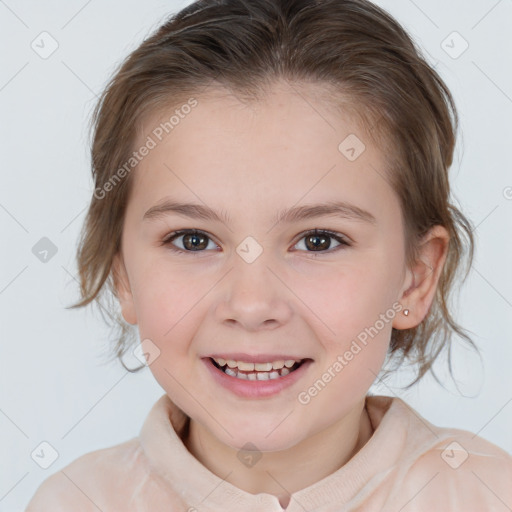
{"x":317,"y":457}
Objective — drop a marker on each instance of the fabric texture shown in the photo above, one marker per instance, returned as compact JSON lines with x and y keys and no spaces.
{"x":408,"y":465}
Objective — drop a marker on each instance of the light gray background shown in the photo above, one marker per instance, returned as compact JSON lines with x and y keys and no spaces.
{"x":53,"y":385}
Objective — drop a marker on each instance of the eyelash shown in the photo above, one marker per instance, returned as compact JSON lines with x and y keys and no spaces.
{"x":315,"y":232}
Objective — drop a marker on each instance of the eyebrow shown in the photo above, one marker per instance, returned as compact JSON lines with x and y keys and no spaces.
{"x":340,"y":209}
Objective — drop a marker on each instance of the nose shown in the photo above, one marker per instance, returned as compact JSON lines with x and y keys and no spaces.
{"x":253,"y":296}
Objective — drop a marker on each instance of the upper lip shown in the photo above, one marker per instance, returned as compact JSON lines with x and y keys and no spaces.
{"x":259,"y":358}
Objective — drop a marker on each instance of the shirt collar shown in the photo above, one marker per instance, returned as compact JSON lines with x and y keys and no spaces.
{"x":161,"y":440}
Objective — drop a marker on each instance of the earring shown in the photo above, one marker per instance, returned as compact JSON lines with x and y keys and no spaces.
{"x":406,"y":312}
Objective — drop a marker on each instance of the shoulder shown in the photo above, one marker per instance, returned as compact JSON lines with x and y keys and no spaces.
{"x":440,"y":468}
{"x":460,"y":471}
{"x":90,"y":482}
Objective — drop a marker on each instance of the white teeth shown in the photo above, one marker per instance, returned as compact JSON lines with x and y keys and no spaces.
{"x":255,"y":371}
{"x":260,"y":367}
{"x":229,"y":371}
{"x":247,"y":367}
{"x":274,"y":374}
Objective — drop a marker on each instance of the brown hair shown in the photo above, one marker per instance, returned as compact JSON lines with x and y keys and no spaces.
{"x":352,"y":49}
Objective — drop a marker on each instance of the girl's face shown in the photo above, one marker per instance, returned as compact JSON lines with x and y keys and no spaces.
{"x":259,"y":286}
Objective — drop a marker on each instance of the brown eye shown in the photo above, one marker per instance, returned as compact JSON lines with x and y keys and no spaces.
{"x":321,"y":241}
{"x":195,"y":242}
{"x":191,"y":241}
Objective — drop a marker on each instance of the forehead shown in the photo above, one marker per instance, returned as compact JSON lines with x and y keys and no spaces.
{"x":291,"y":144}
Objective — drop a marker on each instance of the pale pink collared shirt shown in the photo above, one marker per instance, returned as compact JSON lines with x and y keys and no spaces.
{"x":408,"y":465}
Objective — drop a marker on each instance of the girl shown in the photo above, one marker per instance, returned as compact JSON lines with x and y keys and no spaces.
{"x":272,"y":210}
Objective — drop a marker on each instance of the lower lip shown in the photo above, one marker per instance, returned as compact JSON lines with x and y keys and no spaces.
{"x":256,"y":388}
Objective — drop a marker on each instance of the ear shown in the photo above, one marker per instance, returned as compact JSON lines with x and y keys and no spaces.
{"x":123,"y":290}
{"x":421,"y":281}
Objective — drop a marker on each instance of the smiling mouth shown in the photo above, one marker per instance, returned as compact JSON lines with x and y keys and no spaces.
{"x":267,"y":374}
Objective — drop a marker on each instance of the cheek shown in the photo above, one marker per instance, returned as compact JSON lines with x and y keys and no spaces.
{"x":166,"y":301}
{"x":345,"y":302}
{"x":169,"y":310}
